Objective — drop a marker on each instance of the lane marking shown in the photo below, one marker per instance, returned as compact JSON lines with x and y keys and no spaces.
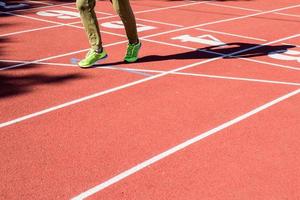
{"x":233,"y":7}
{"x":162,"y":71}
{"x":250,"y":9}
{"x":146,"y":72}
{"x":157,"y":22}
{"x":40,"y":2}
{"x":57,"y":56}
{"x":162,"y":33}
{"x":30,"y":30}
{"x":230,"y":34}
{"x":220,"y":54}
{"x":42,"y":7}
{"x":180,"y":147}
{"x":76,"y":101}
{"x":74,"y":8}
{"x":224,"y":20}
{"x":249,"y":59}
{"x":99,"y":18}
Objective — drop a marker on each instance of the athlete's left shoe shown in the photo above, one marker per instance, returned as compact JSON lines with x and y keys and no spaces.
{"x":132,"y":52}
{"x":92,"y":58}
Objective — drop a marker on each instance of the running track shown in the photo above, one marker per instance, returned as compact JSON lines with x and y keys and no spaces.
{"x":211,"y":110}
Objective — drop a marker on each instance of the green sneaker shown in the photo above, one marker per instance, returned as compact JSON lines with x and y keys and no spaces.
{"x":91,"y":58}
{"x":132,"y":52}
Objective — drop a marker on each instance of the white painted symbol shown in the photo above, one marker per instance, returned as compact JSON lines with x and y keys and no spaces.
{"x":119,"y":25}
{"x":60,"y":14}
{"x":289,"y":55}
{"x":203,"y":39}
{"x":12,"y":6}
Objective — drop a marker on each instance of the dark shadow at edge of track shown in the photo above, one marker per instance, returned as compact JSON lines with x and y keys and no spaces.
{"x":213,"y":52}
{"x":15,"y":84}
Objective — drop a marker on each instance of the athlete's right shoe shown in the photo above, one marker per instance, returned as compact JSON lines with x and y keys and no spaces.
{"x":132,"y":52}
{"x":91,"y":58}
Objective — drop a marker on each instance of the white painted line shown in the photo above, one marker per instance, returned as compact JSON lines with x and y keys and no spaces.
{"x":271,"y":64}
{"x":166,"y":32}
{"x":78,"y":22}
{"x":101,"y":93}
{"x":158,"y":22}
{"x":72,"y":24}
{"x":220,"y":54}
{"x":171,"y":7}
{"x":233,"y":7}
{"x":161,"y":71}
{"x":103,"y":13}
{"x":151,"y":10}
{"x":30,"y":30}
{"x":4,"y":124}
{"x":238,"y":78}
{"x":180,"y":147}
{"x":225,"y":20}
{"x":207,"y":76}
{"x":289,"y":15}
{"x":230,"y":34}
{"x":57,"y":56}
{"x":40,"y":2}
{"x":249,"y":9}
{"x":42,"y":7}
{"x":32,"y":18}
{"x":249,"y":59}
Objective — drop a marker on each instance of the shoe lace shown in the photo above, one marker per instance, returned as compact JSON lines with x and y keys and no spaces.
{"x":130,"y":49}
{"x":89,"y":53}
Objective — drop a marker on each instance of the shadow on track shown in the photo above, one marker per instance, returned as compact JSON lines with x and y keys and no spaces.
{"x":15,"y":84}
{"x":213,"y":52}
{"x":12,"y":83}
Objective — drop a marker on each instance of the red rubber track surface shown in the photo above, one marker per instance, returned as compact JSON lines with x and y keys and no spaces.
{"x":202,"y":70}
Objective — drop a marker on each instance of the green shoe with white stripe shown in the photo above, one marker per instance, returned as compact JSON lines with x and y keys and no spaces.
{"x":132,"y":52}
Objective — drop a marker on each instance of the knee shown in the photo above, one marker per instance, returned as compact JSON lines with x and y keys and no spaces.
{"x":82,"y":5}
{"x":117,"y":9}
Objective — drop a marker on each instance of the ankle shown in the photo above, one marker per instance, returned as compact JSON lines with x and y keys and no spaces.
{"x":134,"y":43}
{"x":100,"y":50}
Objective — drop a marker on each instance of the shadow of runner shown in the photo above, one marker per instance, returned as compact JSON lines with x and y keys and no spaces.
{"x":12,"y":85}
{"x":213,"y":52}
{"x":12,"y":5}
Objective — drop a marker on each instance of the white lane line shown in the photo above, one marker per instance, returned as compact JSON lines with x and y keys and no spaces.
{"x":101,"y":93}
{"x":152,"y":10}
{"x":248,"y":59}
{"x":250,"y":9}
{"x":162,"y":71}
{"x":224,"y":55}
{"x":230,"y":34}
{"x":40,"y":2}
{"x":233,"y":7}
{"x":4,"y":124}
{"x":286,"y":14}
{"x":103,"y":13}
{"x":224,"y":20}
{"x":73,"y":23}
{"x":30,"y":30}
{"x":147,"y":71}
{"x":180,"y":147}
{"x":165,"y":32}
{"x":42,"y":7}
{"x":32,"y":18}
{"x":158,"y":22}
{"x":171,"y":7}
{"x":57,"y":56}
